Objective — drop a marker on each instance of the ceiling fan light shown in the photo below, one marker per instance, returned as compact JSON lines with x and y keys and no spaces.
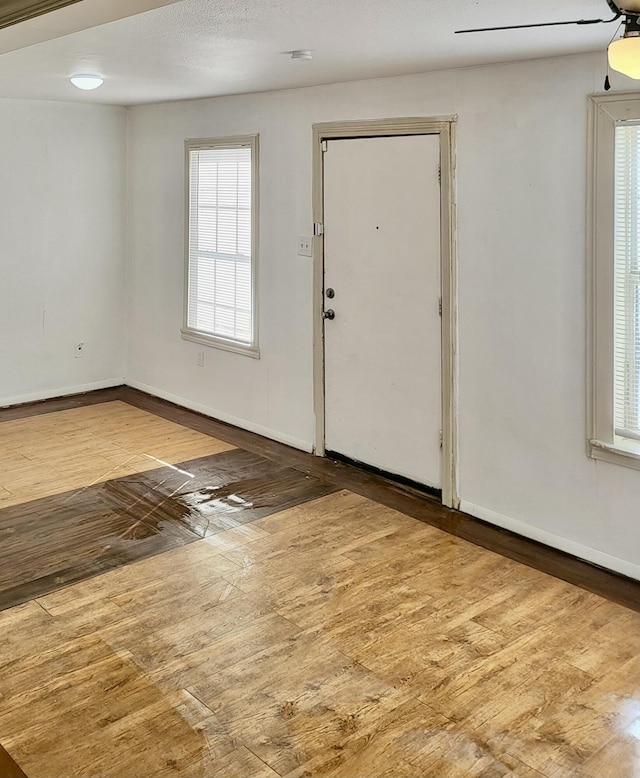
{"x":624,"y":56}
{"x":86,"y":81}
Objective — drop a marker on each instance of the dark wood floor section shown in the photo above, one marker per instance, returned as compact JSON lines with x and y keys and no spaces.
{"x":55,"y":541}
{"x":42,"y":407}
{"x":617,"y":588}
{"x":8,"y":768}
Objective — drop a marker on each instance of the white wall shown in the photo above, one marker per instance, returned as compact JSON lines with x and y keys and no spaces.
{"x":62,"y":247}
{"x":521,"y":240}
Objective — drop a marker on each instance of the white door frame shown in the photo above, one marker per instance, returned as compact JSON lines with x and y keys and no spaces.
{"x":444,"y":126}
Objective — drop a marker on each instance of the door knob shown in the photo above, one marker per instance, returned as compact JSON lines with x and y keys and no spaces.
{"x":330,"y":314}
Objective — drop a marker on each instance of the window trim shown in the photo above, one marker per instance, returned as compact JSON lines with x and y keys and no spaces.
{"x":602,"y":443}
{"x":188,"y":333}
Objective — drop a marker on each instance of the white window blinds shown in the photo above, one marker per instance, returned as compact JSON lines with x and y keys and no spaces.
{"x":220,"y":266}
{"x":627,"y":281}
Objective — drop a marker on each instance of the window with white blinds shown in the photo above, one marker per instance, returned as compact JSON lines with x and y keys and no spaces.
{"x":613,"y":299}
{"x":221,"y":223}
{"x":627,"y":281}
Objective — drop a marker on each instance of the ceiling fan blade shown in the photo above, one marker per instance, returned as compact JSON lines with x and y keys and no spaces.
{"x":541,"y":24}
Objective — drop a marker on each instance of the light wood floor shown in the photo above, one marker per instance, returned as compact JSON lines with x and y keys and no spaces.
{"x":335,"y":638}
{"x":58,"y":452}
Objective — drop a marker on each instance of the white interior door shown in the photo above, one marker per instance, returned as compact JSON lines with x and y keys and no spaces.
{"x":382,"y":261}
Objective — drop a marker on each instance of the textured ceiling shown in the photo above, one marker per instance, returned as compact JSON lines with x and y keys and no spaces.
{"x":199,"y":48}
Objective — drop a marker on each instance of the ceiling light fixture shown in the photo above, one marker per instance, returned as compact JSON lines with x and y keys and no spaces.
{"x":624,"y":53}
{"x":86,"y":81}
{"x":301,"y":54}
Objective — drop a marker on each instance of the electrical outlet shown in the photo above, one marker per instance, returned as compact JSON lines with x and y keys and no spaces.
{"x":78,"y":350}
{"x":304,"y":247}
{"x":200,"y":359}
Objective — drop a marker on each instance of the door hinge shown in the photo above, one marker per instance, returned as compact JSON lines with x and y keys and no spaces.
{"x":439,"y":174}
{"x":318,"y":229}
{"x":324,"y":145}
{"x":441,"y":439}
{"x":440,"y":306}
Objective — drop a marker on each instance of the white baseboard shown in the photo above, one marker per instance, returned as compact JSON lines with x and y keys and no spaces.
{"x":213,"y":413}
{"x":555,"y":541}
{"x":62,"y":392}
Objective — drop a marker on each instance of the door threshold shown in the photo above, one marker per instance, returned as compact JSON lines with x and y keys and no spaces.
{"x":399,"y":479}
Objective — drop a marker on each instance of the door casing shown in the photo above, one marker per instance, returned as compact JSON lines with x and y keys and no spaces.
{"x":444,"y":126}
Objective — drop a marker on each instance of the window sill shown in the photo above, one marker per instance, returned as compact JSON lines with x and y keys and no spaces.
{"x":622,"y":451}
{"x":221,"y":343}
